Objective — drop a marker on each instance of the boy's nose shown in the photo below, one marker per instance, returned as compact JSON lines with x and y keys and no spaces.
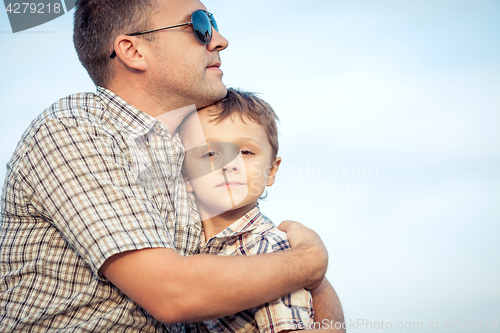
{"x":229,"y":168}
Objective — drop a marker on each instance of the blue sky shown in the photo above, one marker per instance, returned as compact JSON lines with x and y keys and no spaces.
{"x":405,"y":89}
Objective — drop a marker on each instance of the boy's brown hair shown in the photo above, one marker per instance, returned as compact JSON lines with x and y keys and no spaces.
{"x":248,"y":106}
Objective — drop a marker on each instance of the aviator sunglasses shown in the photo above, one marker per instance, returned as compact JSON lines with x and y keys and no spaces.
{"x":202,"y":22}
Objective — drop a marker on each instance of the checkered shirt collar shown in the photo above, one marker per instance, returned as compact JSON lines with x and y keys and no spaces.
{"x":248,"y":222}
{"x":135,"y":121}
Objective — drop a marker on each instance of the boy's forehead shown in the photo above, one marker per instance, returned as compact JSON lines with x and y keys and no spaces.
{"x":195,"y":121}
{"x":212,"y":114}
{"x":210,"y":111}
{"x":208,"y":121}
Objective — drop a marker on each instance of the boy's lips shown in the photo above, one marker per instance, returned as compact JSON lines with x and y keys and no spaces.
{"x":232,"y":183}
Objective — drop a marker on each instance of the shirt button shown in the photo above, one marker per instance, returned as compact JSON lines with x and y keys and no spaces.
{"x":160,"y":130}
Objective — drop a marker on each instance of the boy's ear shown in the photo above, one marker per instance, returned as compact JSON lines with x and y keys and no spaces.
{"x":187,"y":183}
{"x":189,"y":187}
{"x":129,"y":50}
{"x":272,"y":172}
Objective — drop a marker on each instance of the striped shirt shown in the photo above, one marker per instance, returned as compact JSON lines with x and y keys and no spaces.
{"x":91,"y":177}
{"x":254,"y":234}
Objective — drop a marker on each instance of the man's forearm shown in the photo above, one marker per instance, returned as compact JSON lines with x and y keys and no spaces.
{"x":250,"y":281}
{"x":327,"y":308}
{"x":182,"y":289}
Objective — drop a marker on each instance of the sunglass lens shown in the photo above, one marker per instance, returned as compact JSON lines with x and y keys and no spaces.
{"x":202,"y":26}
{"x":214,"y":24}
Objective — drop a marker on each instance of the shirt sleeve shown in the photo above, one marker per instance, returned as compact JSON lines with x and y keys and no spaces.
{"x":78,"y":177}
{"x":290,"y":312}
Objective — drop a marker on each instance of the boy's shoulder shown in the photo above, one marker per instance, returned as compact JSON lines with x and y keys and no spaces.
{"x":269,"y":235}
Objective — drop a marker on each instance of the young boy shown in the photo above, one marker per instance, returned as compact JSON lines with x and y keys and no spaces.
{"x":231,"y":156}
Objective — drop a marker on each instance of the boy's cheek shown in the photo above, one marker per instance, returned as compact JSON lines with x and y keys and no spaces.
{"x":257,"y":170}
{"x":254,"y":187}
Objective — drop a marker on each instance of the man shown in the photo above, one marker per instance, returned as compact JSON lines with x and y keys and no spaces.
{"x":96,"y":231}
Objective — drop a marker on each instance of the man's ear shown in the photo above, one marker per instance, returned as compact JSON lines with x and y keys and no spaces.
{"x":129,"y":50}
{"x":271,"y":177}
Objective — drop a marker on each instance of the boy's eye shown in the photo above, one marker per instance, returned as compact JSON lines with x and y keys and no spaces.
{"x":210,"y":154}
{"x":246,"y":152}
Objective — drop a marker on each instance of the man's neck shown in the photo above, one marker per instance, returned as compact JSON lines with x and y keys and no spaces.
{"x":168,"y":111}
{"x":173,"y":118}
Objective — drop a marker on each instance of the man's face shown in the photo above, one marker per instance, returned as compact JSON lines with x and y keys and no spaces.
{"x":183,"y":70}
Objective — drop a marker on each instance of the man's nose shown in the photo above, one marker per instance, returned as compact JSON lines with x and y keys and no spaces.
{"x":218,"y":42}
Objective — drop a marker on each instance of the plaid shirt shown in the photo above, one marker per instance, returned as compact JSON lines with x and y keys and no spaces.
{"x":91,"y":177}
{"x":254,"y":234}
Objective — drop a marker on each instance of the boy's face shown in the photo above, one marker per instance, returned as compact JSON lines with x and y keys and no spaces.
{"x":230,"y":166}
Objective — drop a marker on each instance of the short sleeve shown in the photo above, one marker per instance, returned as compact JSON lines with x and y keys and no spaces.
{"x":78,"y":177}
{"x":290,"y":312}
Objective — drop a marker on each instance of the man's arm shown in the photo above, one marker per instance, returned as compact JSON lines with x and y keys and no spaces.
{"x":327,"y":307}
{"x":88,"y":188}
{"x":175,"y":289}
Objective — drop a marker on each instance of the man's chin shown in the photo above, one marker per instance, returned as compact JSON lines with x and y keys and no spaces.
{"x":213,"y":97}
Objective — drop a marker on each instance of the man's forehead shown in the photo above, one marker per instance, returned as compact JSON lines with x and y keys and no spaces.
{"x":179,"y":9}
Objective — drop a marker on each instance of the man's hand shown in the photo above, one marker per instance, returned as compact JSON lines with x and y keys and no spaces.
{"x":314,"y":253}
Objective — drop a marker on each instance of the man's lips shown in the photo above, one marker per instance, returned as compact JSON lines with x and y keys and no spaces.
{"x":215,"y":66}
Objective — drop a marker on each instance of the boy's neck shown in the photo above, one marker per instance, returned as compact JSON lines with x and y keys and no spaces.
{"x":212,"y":225}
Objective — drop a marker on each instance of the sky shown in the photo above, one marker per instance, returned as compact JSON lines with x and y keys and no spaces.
{"x":389,"y":115}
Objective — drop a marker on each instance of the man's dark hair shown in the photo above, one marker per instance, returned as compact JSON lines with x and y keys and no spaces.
{"x":98,"y":23}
